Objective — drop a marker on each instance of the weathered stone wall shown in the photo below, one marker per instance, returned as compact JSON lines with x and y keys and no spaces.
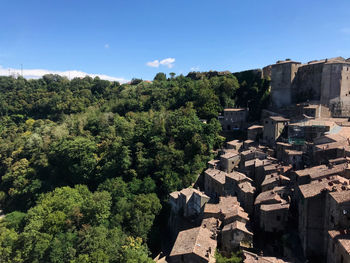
{"x":282,"y":76}
{"x":307,"y":83}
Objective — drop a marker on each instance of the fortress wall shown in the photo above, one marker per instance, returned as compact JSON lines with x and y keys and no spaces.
{"x":282,"y":75}
{"x":307,"y":83}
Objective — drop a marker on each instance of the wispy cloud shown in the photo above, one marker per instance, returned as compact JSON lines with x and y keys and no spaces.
{"x":167,"y":62}
{"x":345,"y":30}
{"x":106,"y":46}
{"x":38,"y":73}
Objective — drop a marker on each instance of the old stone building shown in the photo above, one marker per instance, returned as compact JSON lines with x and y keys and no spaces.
{"x":326,"y":81}
{"x":214,"y":182}
{"x":235,"y":235}
{"x":233,"y":119}
{"x":273,"y":128}
{"x":339,"y":246}
{"x":195,"y":245}
{"x":254,"y":132}
{"x":313,"y":217}
{"x":229,"y":160}
{"x":189,"y":201}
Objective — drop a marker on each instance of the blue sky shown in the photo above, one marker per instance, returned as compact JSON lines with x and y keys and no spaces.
{"x":126,"y":39}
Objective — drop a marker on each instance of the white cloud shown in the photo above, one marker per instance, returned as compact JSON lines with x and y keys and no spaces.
{"x":167,"y":62}
{"x":38,"y":73}
{"x":153,"y":64}
{"x":195,"y":68}
{"x":107,"y":46}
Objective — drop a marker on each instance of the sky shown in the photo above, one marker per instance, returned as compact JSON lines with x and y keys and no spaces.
{"x":125,"y":39}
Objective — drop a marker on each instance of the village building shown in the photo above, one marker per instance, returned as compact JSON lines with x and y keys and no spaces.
{"x":233,"y":119}
{"x":255,"y":132}
{"x":195,"y":245}
{"x":280,"y":149}
{"x":273,"y":128}
{"x":245,"y":195}
{"x":339,"y":246}
{"x":273,"y":180}
{"x":250,"y":257}
{"x":308,"y":175}
{"x":214,"y":182}
{"x":229,"y":160}
{"x":190,"y":201}
{"x":313,"y":216}
{"x":247,"y":144}
{"x":235,"y":145}
{"x":214,"y":164}
{"x":274,"y":217}
{"x":294,"y":158}
{"x":271,"y":209}
{"x":235,"y":235}
{"x":233,"y":180}
{"x":227,"y":211}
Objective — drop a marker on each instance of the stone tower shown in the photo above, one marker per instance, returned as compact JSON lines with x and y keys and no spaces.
{"x":282,"y":76}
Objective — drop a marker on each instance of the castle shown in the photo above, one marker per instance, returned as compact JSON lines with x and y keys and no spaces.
{"x":324,"y":82}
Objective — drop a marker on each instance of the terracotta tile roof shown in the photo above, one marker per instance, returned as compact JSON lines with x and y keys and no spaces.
{"x":237,"y":225}
{"x":234,"y":109}
{"x":274,"y":207}
{"x":217,"y":175}
{"x":246,"y":187}
{"x":238,"y":177}
{"x":253,"y":258}
{"x":329,"y":184}
{"x":343,"y":237}
{"x":253,"y":127}
{"x":195,"y":240}
{"x":278,"y":118}
{"x":341,"y":196}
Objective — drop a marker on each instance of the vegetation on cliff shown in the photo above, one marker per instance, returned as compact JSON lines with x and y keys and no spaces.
{"x":86,"y":165}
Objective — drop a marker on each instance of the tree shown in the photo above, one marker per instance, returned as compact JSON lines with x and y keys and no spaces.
{"x":160,"y":76}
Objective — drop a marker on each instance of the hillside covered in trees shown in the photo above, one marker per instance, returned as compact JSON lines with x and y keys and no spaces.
{"x":86,"y":165}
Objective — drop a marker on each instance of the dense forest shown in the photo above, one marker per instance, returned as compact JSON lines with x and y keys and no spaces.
{"x":86,"y":165}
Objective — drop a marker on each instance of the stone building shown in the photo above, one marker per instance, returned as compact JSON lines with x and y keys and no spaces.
{"x":282,"y":77}
{"x":326,"y":81}
{"x":271,"y":209}
{"x":189,"y":201}
{"x":233,"y":180}
{"x":339,"y":246}
{"x":313,"y":219}
{"x":229,"y":160}
{"x":314,"y":173}
{"x":214,"y":182}
{"x":255,"y":132}
{"x":273,"y":128}
{"x":195,"y":245}
{"x":233,"y":119}
{"x":250,"y":257}
{"x":235,"y":235}
{"x":227,"y":211}
{"x":294,"y":158}
{"x":274,"y":217}
{"x":235,"y":145}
